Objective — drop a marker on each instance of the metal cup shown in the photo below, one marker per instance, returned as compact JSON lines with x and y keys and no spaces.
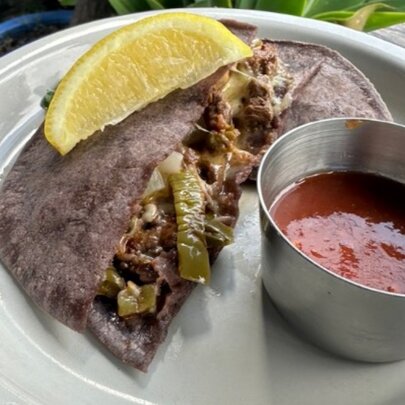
{"x":339,"y":315}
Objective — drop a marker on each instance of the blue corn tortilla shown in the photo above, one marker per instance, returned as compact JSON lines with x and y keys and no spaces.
{"x":326,"y":85}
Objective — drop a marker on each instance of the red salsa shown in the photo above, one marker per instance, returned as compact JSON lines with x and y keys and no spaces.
{"x":351,"y":223}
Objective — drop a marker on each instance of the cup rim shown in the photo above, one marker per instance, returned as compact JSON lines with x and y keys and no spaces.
{"x":265,"y":209}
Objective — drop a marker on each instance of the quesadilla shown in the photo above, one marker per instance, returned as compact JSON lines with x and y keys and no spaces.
{"x":115,"y":235}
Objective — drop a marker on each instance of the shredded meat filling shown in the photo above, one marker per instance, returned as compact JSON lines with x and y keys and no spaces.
{"x":218,"y":114}
{"x":255,"y":120}
{"x":222,"y":150}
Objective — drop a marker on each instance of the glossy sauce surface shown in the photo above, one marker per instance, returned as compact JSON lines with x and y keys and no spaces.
{"x":351,"y":223}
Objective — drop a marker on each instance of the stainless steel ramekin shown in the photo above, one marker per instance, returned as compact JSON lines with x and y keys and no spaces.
{"x":339,"y":315}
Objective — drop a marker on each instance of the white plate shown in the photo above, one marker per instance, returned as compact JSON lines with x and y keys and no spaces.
{"x":227,"y":345}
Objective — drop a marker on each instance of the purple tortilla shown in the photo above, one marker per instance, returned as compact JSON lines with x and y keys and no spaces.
{"x":326,"y":85}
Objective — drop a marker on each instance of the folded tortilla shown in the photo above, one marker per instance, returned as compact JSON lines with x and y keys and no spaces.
{"x":326,"y":85}
{"x":63,"y":217}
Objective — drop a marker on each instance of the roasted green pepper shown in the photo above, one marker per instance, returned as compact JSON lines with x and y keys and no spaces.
{"x":137,"y":299}
{"x":112,"y":283}
{"x":194,"y":264}
{"x":217,"y":234}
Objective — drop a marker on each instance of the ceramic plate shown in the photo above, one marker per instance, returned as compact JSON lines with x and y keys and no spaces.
{"x":228,"y":345}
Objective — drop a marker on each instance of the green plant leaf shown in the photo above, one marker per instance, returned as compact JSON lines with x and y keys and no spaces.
{"x":212,"y":3}
{"x":295,"y":7}
{"x":377,"y":20}
{"x":359,"y":19}
{"x":334,"y":16}
{"x":398,"y":5}
{"x":67,"y":3}
{"x":315,"y":7}
{"x":155,"y":4}
{"x":383,"y":19}
{"x":201,"y":3}
{"x":222,"y":3}
{"x":340,"y":15}
{"x":128,"y":6}
{"x":246,"y":4}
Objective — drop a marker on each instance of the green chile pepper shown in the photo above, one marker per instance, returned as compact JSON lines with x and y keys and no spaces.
{"x":217,"y":234}
{"x":136,"y":299}
{"x":194,"y":264}
{"x":112,"y":283}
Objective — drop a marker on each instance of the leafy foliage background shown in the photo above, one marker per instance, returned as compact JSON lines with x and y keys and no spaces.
{"x":358,"y":14}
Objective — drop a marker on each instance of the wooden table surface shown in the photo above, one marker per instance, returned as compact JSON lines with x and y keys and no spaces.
{"x":394,"y":34}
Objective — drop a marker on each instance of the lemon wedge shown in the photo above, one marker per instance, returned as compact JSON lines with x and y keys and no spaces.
{"x":134,"y":66}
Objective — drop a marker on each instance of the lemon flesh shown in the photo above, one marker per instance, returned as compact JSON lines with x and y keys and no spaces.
{"x":134,"y":66}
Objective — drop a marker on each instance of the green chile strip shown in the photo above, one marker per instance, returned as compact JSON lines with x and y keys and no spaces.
{"x":194,"y":264}
{"x":112,"y":284}
{"x":137,"y":300}
{"x":217,"y":234}
{"x":131,"y":298}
